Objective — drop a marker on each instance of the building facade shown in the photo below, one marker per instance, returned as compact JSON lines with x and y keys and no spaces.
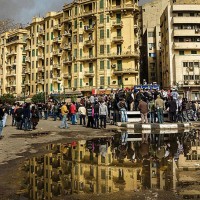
{"x":180,"y":43}
{"x":12,"y":62}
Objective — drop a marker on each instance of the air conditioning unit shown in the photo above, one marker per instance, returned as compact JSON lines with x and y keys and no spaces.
{"x":186,"y":82}
{"x":191,"y":68}
{"x":197,"y":82}
{"x":196,"y":30}
{"x":150,"y":48}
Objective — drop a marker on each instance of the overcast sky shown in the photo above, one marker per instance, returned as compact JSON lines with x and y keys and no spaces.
{"x":22,"y":11}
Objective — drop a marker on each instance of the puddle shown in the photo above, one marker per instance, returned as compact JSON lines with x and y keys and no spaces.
{"x":125,"y":162}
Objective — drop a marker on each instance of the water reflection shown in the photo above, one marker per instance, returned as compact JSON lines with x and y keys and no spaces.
{"x":126,"y":161}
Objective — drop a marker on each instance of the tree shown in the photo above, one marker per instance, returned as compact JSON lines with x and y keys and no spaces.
{"x":39,"y":98}
{"x":7,"y":98}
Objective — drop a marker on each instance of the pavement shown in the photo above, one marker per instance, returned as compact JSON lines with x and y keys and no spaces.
{"x":16,"y":143}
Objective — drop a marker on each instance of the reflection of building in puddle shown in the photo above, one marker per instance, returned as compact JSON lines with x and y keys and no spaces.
{"x":123,"y":162}
{"x":81,"y":167}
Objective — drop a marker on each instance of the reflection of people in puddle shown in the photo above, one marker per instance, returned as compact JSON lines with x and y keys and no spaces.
{"x":144,"y":146}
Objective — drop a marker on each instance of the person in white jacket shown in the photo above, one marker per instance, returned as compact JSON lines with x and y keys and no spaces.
{"x":82,"y":114}
{"x":103,"y":113}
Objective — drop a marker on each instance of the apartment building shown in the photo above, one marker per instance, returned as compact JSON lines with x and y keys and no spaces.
{"x":180,"y":43}
{"x":12,"y":62}
{"x":43,"y":69}
{"x":100,"y":44}
{"x":151,"y":39}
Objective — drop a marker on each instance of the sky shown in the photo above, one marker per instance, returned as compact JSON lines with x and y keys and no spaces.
{"x":22,"y":11}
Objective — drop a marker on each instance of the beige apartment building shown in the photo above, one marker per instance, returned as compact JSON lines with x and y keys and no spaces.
{"x":151,"y":40}
{"x":12,"y":62}
{"x":180,"y":29}
{"x":100,"y":44}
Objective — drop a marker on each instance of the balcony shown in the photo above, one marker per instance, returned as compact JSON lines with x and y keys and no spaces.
{"x":87,"y":58}
{"x":186,"y":20}
{"x":125,"y":71}
{"x":186,"y":45}
{"x":123,"y":7}
{"x":186,"y":32}
{"x":67,"y":34}
{"x":11,"y":73}
{"x":127,"y":54}
{"x":57,"y":40}
{"x":41,"y":32}
{"x":117,"y":24}
{"x":27,"y":71}
{"x":9,"y":54}
{"x":89,"y":43}
{"x":89,"y":28}
{"x":27,"y":48}
{"x":41,"y":69}
{"x":57,"y":27}
{"x":67,"y":47}
{"x":57,"y":52}
{"x":40,"y":57}
{"x":67,"y":19}
{"x":27,"y":82}
{"x":19,"y":41}
{"x":11,"y":84}
{"x":87,"y":12}
{"x":40,"y":81}
{"x":41,"y":44}
{"x":67,"y":61}
{"x":89,"y":73}
{"x":56,"y":66}
{"x":118,"y":39}
{"x":67,"y":76}
{"x":57,"y":79}
{"x":27,"y":59}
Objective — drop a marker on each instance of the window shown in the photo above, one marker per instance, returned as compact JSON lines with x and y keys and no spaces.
{"x":47,"y":36}
{"x":101,"y":49}
{"x":81,"y":82}
{"x":36,"y":64}
{"x":76,"y":10}
{"x":101,"y":4}
{"x":108,"y":64}
{"x":191,"y":14}
{"x":102,"y":80}
{"x":51,"y":35}
{"x":75,"y":82}
{"x":47,"y":61}
{"x":151,"y":34}
{"x":75,"y":24}
{"x":81,"y":53}
{"x":47,"y":74}
{"x":81,"y":24}
{"x":101,"y":18}
{"x":108,"y":33}
{"x":196,"y":64}
{"x":119,"y":65}
{"x":193,"y":52}
{"x":47,"y":24}
{"x":108,"y":80}
{"x":51,"y":23}
{"x":119,"y":32}
{"x":180,"y":14}
{"x":101,"y":33}
{"x":33,"y":64}
{"x":32,"y":76}
{"x":33,"y":52}
{"x":75,"y":39}
{"x":81,"y":38}
{"x":75,"y":53}
{"x":181,"y":52}
{"x":108,"y":19}
{"x":81,"y":67}
{"x":101,"y":64}
{"x":108,"y":48}
{"x":152,"y":55}
{"x":47,"y":48}
{"x":36,"y":52}
{"x":75,"y":67}
{"x":118,"y":17}
{"x":197,"y":77}
{"x":185,"y":64}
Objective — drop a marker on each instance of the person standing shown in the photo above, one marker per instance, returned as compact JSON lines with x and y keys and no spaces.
{"x":122,"y":108}
{"x":1,"y":121}
{"x":172,"y":110}
{"x":34,"y":117}
{"x":90,"y":111}
{"x":82,"y":114}
{"x":64,"y":112}
{"x":160,"y":105}
{"x":73,"y":113}
{"x":143,"y":108}
{"x":26,"y":117}
{"x":103,"y":113}
{"x":151,"y":106}
{"x":96,"y":114}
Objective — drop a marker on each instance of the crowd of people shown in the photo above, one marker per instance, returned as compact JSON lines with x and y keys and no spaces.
{"x":96,"y":111}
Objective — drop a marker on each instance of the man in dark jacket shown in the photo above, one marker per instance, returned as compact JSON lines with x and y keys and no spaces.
{"x":1,"y":120}
{"x":96,"y":114}
{"x":143,"y":107}
{"x":172,"y":110}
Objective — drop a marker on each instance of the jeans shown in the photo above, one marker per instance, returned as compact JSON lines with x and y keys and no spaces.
{"x":73,"y":118}
{"x":64,"y":122}
{"x":185,"y":117}
{"x":123,"y":113}
{"x":1,"y":127}
{"x":151,"y":117}
{"x":90,"y":122}
{"x":103,"y":121}
{"x":172,"y":116}
{"x":96,"y":120}
{"x":27,"y":124}
{"x":46,"y":115}
{"x":55,"y":115}
{"x":160,"y":115}
{"x":82,"y":118}
{"x":5,"y":119}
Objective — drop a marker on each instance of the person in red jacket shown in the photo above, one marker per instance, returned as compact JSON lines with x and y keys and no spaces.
{"x":73,"y":113}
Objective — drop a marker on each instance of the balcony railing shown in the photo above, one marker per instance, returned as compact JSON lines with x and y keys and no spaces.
{"x":11,"y":53}
{"x":41,"y":69}
{"x":11,"y":73}
{"x":89,"y":43}
{"x":27,"y":59}
{"x":41,"y":44}
{"x":123,"y":54}
{"x":27,"y":82}
{"x":129,"y":6}
{"x":67,"y":33}
{"x":57,"y":39}
{"x":117,"y":24}
{"x":66,"y":61}
{"x":89,"y":73}
{"x":41,"y":32}
{"x":57,"y":66}
{"x":57,"y":52}
{"x":126,"y":71}
{"x":40,"y":81}
{"x":57,"y":27}
{"x":67,"y":47}
{"x":67,"y":75}
{"x":41,"y":56}
{"x":89,"y":28}
{"x":118,"y":39}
